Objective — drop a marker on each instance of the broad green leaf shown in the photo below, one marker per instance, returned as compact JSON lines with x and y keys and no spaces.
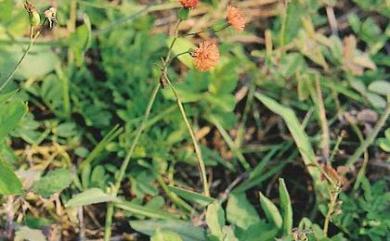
{"x":384,"y":144}
{"x":376,"y":100}
{"x":215,"y":219}
{"x":80,"y":40}
{"x":88,"y":197}
{"x":143,"y":211}
{"x":224,"y":78}
{"x":53,"y":182}
{"x":163,"y":235}
{"x":286,"y":208}
{"x":192,"y":196}
{"x":186,"y":230}
{"x":10,"y":115}
{"x":180,"y":46}
{"x":387,"y":133}
{"x":228,"y":234}
{"x":381,"y":87}
{"x":9,"y":182}
{"x":271,"y":211}
{"x":240,"y":212}
{"x":266,"y":231}
{"x":6,"y":7}
{"x":300,"y":138}
{"x":40,"y":61}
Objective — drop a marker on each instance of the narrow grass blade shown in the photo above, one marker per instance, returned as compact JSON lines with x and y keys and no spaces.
{"x":88,"y":197}
{"x":143,"y":211}
{"x":300,"y":138}
{"x":285,"y":205}
{"x":191,"y":196}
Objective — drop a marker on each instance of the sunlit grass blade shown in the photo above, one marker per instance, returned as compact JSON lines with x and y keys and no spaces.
{"x":192,"y":196}
{"x":300,"y":138}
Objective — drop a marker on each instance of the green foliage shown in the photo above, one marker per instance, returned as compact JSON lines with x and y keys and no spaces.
{"x":186,"y":230}
{"x":9,"y":182}
{"x":300,"y":139}
{"x":88,"y":197}
{"x":365,"y":213}
{"x":53,"y":182}
{"x":384,"y":143}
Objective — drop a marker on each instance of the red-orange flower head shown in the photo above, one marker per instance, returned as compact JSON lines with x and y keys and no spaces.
{"x":189,"y":3}
{"x":235,"y":18}
{"x":206,"y":56}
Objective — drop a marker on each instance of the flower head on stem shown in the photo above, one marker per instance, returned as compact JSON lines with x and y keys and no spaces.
{"x":235,"y":18}
{"x":189,"y":3}
{"x":206,"y":56}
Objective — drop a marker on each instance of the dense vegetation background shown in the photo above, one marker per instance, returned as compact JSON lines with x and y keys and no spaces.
{"x":105,"y":124}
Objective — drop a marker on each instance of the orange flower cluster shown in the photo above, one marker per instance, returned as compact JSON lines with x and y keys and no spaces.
{"x":206,"y":56}
{"x":189,"y":3}
{"x":235,"y":18}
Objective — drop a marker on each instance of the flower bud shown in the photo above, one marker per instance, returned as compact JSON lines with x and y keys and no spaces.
{"x":34,"y":17}
{"x":189,"y":3}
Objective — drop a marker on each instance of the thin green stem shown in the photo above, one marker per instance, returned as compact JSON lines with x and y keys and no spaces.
{"x":65,"y":87}
{"x":198,"y":151}
{"x":336,"y":147}
{"x":108,"y":224}
{"x":283,"y":27}
{"x":331,"y":209}
{"x":323,"y":120}
{"x":241,"y":129}
{"x":125,"y":164}
{"x":174,"y":198}
{"x":362,"y":148}
{"x":32,"y":40}
{"x":122,"y":171}
{"x":212,"y":30}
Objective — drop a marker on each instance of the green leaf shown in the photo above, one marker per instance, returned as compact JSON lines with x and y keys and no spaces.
{"x":215,"y":219}
{"x":143,"y":211}
{"x":41,"y":61}
{"x":271,"y":211}
{"x":80,"y":40}
{"x":376,"y":100}
{"x":240,"y":212}
{"x":285,"y":205}
{"x":191,"y":196}
{"x":291,"y":64}
{"x":384,"y":144}
{"x":88,"y":197}
{"x":381,"y":87}
{"x":9,"y":182}
{"x":185,"y":229}
{"x":53,"y":182}
{"x":6,"y":7}
{"x":164,"y":235}
{"x":10,"y":115}
{"x":266,"y":231}
{"x":182,"y":45}
{"x":300,"y":138}
{"x":183,"y":13}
